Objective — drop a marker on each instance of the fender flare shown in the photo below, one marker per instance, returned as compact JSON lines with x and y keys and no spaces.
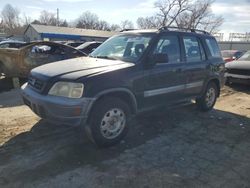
{"x":113,"y":91}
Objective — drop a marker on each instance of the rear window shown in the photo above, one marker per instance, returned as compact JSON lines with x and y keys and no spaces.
{"x":213,"y":47}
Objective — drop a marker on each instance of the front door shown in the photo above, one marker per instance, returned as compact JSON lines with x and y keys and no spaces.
{"x":165,"y":81}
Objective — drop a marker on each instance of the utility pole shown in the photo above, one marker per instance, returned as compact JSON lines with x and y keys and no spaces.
{"x":57,"y":16}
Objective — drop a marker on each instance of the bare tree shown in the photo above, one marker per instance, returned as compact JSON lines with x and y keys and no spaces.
{"x":115,"y":27}
{"x":48,"y":18}
{"x":200,"y":16}
{"x":10,"y":18}
{"x":1,"y":25}
{"x":37,"y":22}
{"x":169,"y":10}
{"x":103,"y":25}
{"x":126,"y":24}
{"x":26,"y":20}
{"x":88,"y":20}
{"x":212,"y":24}
{"x":63,"y":23}
{"x":183,"y":13}
{"x":148,"y":22}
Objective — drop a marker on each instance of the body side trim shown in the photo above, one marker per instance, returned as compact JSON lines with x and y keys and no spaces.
{"x":161,"y":91}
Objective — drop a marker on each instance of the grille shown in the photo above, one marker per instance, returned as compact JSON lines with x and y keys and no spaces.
{"x":36,"y":83}
{"x":238,"y":71}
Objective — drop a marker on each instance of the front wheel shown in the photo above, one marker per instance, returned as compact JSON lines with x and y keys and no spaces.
{"x":208,"y":99}
{"x":108,"y":122}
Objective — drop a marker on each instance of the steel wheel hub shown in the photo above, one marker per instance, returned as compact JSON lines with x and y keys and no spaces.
{"x":210,"y":97}
{"x":113,"y":123}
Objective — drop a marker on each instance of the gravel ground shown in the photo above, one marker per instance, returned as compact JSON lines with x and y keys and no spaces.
{"x":179,"y":147}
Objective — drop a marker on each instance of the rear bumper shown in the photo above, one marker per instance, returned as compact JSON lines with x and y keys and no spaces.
{"x":59,"y":110}
{"x":235,"y":78}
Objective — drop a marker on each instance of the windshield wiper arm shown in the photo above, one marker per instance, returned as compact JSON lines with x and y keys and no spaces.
{"x":104,"y":57}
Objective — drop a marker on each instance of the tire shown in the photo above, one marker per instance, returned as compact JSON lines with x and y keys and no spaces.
{"x":1,"y":70}
{"x":108,"y":122}
{"x":208,"y":99}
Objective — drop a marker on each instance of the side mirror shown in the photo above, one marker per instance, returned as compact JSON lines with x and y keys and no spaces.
{"x":160,"y":58}
{"x":156,"y":58}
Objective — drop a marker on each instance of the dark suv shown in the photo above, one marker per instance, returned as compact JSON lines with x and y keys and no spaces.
{"x":132,"y":72}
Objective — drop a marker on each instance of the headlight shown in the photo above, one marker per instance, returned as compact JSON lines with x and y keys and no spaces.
{"x":67,"y":89}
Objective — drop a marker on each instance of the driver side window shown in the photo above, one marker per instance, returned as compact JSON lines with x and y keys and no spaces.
{"x":169,"y":45}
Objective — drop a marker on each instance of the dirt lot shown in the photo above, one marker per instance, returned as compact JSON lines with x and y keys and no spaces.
{"x":180,"y":147}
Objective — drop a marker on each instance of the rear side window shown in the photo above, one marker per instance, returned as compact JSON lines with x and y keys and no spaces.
{"x":193,"y":49}
{"x":213,"y":47}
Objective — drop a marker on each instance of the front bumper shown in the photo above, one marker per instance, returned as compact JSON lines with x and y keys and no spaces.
{"x":56,"y":109}
{"x":235,"y":78}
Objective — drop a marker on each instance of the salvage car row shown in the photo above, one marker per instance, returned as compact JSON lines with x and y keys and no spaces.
{"x":18,"y":58}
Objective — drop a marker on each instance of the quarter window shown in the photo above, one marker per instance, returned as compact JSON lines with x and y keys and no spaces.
{"x":193,"y":49}
{"x":213,"y":47}
{"x":169,"y":45}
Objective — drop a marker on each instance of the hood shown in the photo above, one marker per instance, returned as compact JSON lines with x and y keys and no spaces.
{"x":79,"y":67}
{"x":238,"y":65}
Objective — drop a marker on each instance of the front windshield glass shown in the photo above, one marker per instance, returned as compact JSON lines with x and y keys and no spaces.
{"x":245,"y":57}
{"x":123,"y":47}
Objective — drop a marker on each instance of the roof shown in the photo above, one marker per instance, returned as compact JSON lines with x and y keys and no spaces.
{"x":230,"y":51}
{"x":140,"y":31}
{"x":44,"y":29}
{"x":168,"y":29}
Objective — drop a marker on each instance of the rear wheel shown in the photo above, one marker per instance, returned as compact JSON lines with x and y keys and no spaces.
{"x":108,"y":122}
{"x":208,"y":100}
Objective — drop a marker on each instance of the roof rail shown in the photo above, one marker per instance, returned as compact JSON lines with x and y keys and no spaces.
{"x":127,"y":30}
{"x":166,"y":28}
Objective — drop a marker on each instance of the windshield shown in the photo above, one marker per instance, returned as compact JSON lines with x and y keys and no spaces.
{"x":123,"y":47}
{"x":245,"y":57}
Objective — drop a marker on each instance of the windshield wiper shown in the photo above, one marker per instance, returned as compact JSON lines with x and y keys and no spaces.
{"x":103,"y":57}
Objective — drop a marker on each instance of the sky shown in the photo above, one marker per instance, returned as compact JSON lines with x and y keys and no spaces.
{"x":235,"y":13}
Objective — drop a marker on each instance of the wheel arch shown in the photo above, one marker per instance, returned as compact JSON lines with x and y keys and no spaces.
{"x":122,"y":93}
{"x":217,"y":83}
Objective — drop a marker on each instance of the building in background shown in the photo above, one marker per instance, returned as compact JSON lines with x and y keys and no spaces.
{"x":54,"y":33}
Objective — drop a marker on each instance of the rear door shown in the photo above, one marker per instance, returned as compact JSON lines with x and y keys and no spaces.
{"x":197,"y":65}
{"x":165,"y":81}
